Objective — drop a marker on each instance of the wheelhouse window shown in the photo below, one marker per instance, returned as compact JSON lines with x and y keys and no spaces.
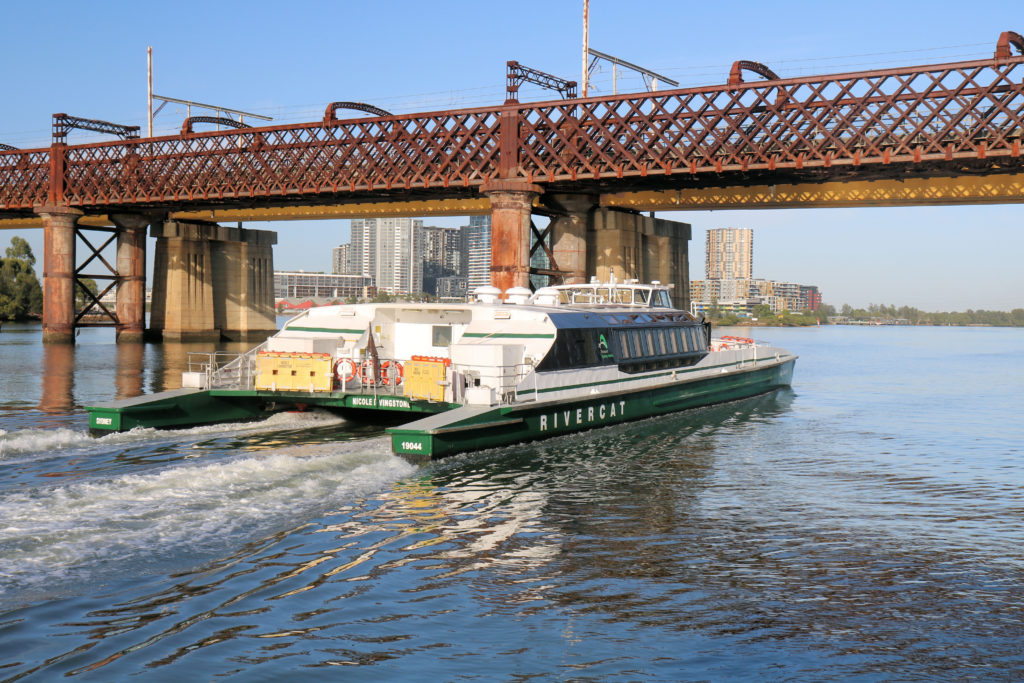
{"x":440,"y":335}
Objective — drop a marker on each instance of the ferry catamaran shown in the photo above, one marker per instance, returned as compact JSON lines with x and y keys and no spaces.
{"x":466,"y":376}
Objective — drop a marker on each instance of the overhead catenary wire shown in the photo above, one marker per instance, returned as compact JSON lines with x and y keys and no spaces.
{"x":491,"y":94}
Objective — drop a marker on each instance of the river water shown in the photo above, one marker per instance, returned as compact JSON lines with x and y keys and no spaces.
{"x":866,"y":524}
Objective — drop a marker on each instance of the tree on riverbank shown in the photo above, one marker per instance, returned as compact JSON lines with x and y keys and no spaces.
{"x":913,"y":316}
{"x":21,"y":296}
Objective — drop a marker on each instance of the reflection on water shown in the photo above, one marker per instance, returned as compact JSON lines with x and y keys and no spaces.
{"x":163,"y":364}
{"x":58,"y":378}
{"x":864,"y":525}
{"x":130,"y":369}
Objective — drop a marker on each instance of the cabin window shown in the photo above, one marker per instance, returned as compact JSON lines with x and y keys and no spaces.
{"x":440,"y":335}
{"x":661,"y":299}
{"x":641,"y":349}
{"x":579,"y":348}
{"x":637,"y":343}
{"x":662,"y":333}
{"x":641,"y":296}
{"x":623,"y":296}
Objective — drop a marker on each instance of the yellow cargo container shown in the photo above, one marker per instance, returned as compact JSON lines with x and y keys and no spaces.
{"x":423,"y":379}
{"x":283,"y":371}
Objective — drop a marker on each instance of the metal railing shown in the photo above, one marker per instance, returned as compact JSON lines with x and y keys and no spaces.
{"x":225,"y":369}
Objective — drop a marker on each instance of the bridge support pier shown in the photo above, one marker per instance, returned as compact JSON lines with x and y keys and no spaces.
{"x":58,"y":273}
{"x":131,"y":273}
{"x":640,"y":247}
{"x":211,"y":281}
{"x":569,"y":226}
{"x":511,"y":208}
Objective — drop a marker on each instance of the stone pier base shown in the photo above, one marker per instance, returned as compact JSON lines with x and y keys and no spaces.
{"x":212,"y":282}
{"x":641,"y":247}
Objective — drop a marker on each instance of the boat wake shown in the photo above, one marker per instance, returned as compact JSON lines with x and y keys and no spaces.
{"x":20,"y":444}
{"x":118,"y":525}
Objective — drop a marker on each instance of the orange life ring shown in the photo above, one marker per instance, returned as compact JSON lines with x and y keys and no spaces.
{"x":384,"y":374}
{"x":345,"y":370}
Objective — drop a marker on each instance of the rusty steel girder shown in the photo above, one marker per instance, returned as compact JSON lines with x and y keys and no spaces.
{"x":330,"y":114}
{"x":738,"y":67}
{"x":907,"y":120}
{"x":186,"y":127}
{"x":64,"y":123}
{"x":517,"y":74}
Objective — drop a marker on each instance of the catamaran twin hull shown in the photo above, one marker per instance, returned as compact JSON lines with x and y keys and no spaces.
{"x":436,"y":429}
{"x":477,"y":375}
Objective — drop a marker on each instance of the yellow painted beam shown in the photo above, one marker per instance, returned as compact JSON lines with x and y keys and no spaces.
{"x":388,"y":209}
{"x":972,"y":189}
{"x":989,"y":189}
{"x":477,"y":206}
{"x":37,"y":222}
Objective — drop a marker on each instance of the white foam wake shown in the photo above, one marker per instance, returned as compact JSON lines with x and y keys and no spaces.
{"x":60,"y":531}
{"x":24,"y":442}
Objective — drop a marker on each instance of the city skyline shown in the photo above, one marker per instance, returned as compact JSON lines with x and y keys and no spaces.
{"x":933,"y":258}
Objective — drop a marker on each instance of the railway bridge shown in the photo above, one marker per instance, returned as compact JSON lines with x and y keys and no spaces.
{"x":935,"y":134}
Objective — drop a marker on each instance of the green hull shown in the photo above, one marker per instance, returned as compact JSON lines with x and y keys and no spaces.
{"x":183,"y":408}
{"x":438,"y":429}
{"x":472,"y":428}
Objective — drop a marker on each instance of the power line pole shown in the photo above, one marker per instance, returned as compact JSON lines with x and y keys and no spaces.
{"x":586,"y":48}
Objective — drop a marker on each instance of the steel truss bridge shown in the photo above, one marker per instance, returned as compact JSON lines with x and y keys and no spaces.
{"x":726,"y":143}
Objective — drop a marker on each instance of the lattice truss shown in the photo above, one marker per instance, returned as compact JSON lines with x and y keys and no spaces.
{"x":965,"y":110}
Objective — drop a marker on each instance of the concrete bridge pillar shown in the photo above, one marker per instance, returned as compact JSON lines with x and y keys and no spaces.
{"x":211,"y":281}
{"x":244,"y":284}
{"x":131,"y":272}
{"x":641,"y":247}
{"x":569,"y":226}
{"x":182,"y":308}
{"x":511,"y":208}
{"x":58,"y":273}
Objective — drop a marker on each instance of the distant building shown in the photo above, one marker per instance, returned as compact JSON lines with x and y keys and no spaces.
{"x":478,"y":252}
{"x":743,"y":296}
{"x":443,"y":255}
{"x":730,"y":285}
{"x":454,"y":288}
{"x":302,"y":285}
{"x":812,"y":295}
{"x":729,"y":254}
{"x":341,"y":259}
{"x":390,"y":251}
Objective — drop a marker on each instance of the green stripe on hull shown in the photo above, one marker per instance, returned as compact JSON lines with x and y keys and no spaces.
{"x":506,"y":425}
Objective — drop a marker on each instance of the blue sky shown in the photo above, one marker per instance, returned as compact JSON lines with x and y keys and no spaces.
{"x":288,"y":60}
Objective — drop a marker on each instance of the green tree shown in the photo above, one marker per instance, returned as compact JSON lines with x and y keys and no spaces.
{"x":82,"y":300}
{"x":20,"y":294}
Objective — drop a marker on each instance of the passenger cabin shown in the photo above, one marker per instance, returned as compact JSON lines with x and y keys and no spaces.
{"x":630,"y":325}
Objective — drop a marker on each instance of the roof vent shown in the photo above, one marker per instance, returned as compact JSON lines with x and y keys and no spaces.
{"x":517,"y":295}
{"x":545,"y":296}
{"x":486,"y":294}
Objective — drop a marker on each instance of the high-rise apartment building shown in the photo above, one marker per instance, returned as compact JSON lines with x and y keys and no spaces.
{"x":729,"y":254}
{"x":341,"y":259}
{"x":442,"y":256}
{"x":478,"y":252}
{"x":389,"y":250}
